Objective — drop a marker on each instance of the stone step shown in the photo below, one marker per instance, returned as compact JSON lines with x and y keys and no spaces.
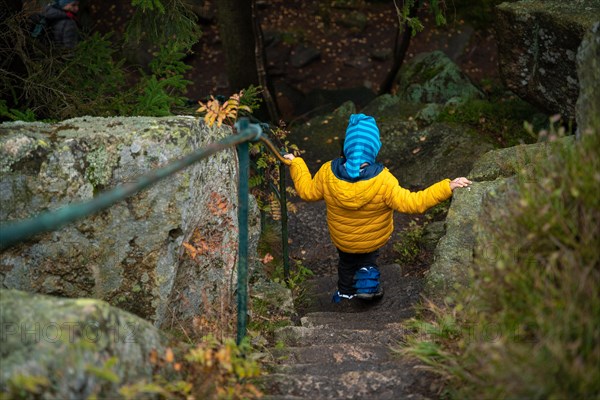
{"x":344,"y":350}
{"x":333,"y":353}
{"x":392,"y":384}
{"x":345,"y":366}
{"x":296,"y":336}
{"x":354,"y":320}
{"x":398,"y":291}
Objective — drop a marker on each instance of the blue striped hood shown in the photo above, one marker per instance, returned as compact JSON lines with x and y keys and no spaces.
{"x":361,"y":144}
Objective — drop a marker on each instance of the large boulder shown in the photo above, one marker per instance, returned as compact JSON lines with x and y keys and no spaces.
{"x":57,"y":348}
{"x":434,"y":78}
{"x":453,"y":255}
{"x":168,"y":251}
{"x":537,"y":46}
{"x":493,"y":176}
{"x":419,"y":158}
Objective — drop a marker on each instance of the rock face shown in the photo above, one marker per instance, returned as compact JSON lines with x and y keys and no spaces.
{"x":131,"y":254}
{"x":538,"y":47}
{"x":424,"y":157}
{"x":492,"y":175}
{"x":588,"y":71}
{"x":82,"y":347}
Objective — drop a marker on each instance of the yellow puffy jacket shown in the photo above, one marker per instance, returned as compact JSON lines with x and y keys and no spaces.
{"x":360,"y":211}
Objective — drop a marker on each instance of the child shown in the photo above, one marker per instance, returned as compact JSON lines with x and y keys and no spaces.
{"x":361,"y":196}
{"x":60,"y":17}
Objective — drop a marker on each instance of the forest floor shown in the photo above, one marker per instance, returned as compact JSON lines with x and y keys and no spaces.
{"x":349,"y":57}
{"x":352,"y":52}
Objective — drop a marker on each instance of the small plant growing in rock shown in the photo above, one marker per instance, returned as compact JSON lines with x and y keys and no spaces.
{"x":407,"y":246}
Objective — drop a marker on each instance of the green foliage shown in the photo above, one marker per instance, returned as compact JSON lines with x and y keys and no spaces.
{"x":436,"y":7}
{"x":501,"y":118}
{"x":149,"y":5}
{"x":224,"y":370}
{"x":211,"y":369}
{"x":266,"y":318}
{"x":106,"y":371}
{"x":23,"y":386}
{"x":164,"y":88}
{"x":527,"y":325}
{"x":54,"y":83}
{"x":91,"y":80}
{"x":269,"y":246}
{"x":162,"y":22}
{"x":154,"y":99}
{"x":298,"y":276}
{"x":408,"y":246}
{"x":251,"y":98}
{"x":265,"y":174}
{"x":15,"y":115}
{"x":59,"y":87}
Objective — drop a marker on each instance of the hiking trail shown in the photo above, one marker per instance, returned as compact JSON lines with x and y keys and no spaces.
{"x":345,"y":350}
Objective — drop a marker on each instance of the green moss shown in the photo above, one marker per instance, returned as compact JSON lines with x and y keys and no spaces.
{"x":425,"y":72}
{"x":185,"y":180}
{"x":500,"y":118}
{"x":266,"y":318}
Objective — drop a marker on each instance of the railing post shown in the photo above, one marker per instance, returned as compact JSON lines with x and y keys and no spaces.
{"x":242,"y":285}
{"x":284,"y":223}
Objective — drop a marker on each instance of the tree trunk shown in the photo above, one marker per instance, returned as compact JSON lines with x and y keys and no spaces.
{"x":261,"y":66}
{"x":235,"y":29}
{"x":400,"y":49}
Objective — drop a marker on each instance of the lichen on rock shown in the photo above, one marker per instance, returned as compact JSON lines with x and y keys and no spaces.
{"x":83,"y":347}
{"x":131,"y":254}
{"x":537,"y":53}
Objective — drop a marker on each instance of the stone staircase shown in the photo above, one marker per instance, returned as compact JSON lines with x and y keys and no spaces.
{"x":344,"y":350}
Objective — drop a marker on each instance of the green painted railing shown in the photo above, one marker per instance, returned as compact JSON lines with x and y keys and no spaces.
{"x":16,"y":232}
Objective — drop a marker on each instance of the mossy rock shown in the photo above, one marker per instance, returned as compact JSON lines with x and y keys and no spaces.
{"x":419,"y":158}
{"x":494,"y":176}
{"x":56,"y":348}
{"x":434,"y":78}
{"x":537,"y":53}
{"x":131,"y":254}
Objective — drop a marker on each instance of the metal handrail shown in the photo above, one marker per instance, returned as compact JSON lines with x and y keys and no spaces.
{"x":16,"y":232}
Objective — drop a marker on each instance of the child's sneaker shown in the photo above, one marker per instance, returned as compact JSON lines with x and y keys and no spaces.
{"x":366,"y":282}
{"x":370,"y":296}
{"x":337,"y":296}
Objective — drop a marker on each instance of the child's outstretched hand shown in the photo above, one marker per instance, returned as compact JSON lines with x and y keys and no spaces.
{"x":459,"y":182}
{"x":289,"y":156}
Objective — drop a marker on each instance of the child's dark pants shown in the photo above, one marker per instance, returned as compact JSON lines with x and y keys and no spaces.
{"x":348,"y":265}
